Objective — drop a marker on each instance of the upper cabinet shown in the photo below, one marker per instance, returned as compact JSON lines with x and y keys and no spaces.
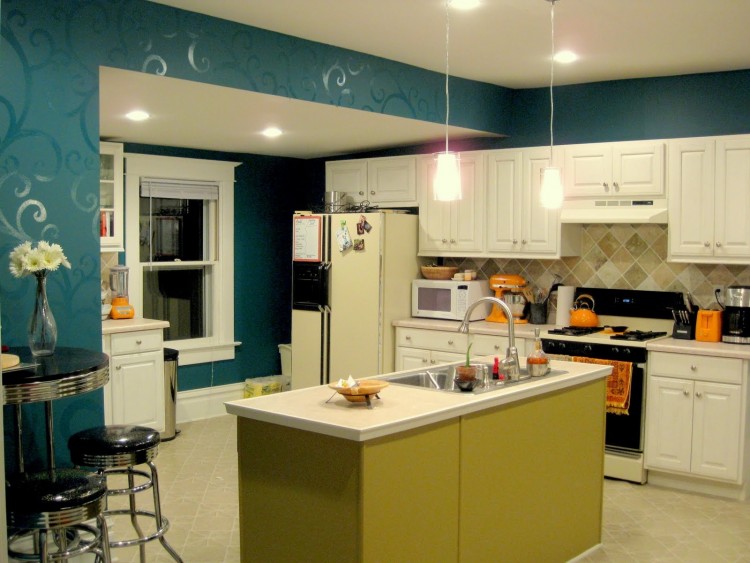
{"x":517,"y":223}
{"x":627,"y":169}
{"x":709,"y":199}
{"x":110,"y":196}
{"x":452,"y":228}
{"x":387,"y":181}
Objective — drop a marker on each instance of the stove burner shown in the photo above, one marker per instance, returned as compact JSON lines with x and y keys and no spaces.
{"x":638,"y":335}
{"x":575,"y":330}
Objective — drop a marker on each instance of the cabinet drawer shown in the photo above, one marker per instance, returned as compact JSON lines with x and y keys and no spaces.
{"x":432,"y":339}
{"x":486,"y":345}
{"x":134,"y":342}
{"x":703,"y":368}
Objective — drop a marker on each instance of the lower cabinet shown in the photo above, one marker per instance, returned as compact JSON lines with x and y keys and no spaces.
{"x":695,"y":418}
{"x":135,"y":392}
{"x":416,"y":348}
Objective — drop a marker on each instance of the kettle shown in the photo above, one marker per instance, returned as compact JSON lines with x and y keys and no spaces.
{"x":582,"y":313}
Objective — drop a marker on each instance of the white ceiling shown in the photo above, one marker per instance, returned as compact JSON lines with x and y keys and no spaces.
{"x":504,"y":42}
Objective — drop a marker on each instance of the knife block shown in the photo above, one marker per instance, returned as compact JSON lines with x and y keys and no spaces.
{"x":683,"y":330}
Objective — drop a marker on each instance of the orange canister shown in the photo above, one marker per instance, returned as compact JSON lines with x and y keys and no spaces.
{"x":708,"y":326}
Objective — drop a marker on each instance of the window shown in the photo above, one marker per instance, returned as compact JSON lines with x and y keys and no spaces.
{"x":180,"y":250}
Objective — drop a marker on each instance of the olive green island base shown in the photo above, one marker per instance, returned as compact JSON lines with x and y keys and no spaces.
{"x":521,"y":481}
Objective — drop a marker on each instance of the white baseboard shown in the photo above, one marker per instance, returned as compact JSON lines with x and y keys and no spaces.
{"x":207,"y":402}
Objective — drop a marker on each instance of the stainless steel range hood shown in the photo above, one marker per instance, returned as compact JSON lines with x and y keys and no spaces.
{"x":615,"y":211}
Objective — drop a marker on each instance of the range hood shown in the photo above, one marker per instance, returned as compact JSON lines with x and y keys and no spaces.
{"x":614,"y":211}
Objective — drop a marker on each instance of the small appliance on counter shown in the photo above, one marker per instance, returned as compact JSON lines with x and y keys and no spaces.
{"x":118,"y":283}
{"x":510,"y":288}
{"x":736,"y":323}
{"x":448,"y":299}
{"x":708,"y":326}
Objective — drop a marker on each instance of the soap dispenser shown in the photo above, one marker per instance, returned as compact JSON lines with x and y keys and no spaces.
{"x":537,"y":363}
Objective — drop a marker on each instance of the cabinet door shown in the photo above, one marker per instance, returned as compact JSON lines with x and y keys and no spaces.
{"x":504,"y":176}
{"x":348,"y":176}
{"x":138,"y":389}
{"x":691,"y":198}
{"x":588,"y":170}
{"x":467,"y":225}
{"x":638,"y":169}
{"x":392,"y":180}
{"x":434,"y":216}
{"x":437,"y":357}
{"x":111,"y":196}
{"x":411,"y":358}
{"x":716,"y":430}
{"x":732,"y":228}
{"x":669,"y":415}
{"x":540,"y":227}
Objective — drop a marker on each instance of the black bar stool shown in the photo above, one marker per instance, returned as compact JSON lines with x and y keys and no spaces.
{"x":54,"y":506}
{"x":115,"y":450}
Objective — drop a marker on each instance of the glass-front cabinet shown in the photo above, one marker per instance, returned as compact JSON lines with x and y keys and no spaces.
{"x":110,"y":196}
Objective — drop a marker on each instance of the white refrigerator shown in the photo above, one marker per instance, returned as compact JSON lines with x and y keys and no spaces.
{"x":352,"y":275}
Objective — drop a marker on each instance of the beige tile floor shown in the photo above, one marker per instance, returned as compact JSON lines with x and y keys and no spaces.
{"x":198,"y":473}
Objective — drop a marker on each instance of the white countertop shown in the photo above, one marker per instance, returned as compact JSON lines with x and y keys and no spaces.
{"x":111,"y":326}
{"x":400,"y":408}
{"x":679,"y":346}
{"x":522,"y":330}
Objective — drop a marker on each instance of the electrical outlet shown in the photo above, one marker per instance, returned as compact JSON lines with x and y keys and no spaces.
{"x":720,"y":289}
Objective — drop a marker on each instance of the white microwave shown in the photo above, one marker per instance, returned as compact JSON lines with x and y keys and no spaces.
{"x":449,"y":299}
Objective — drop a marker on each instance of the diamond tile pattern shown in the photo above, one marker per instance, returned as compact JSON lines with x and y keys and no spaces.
{"x":198,"y":476}
{"x":619,"y":256}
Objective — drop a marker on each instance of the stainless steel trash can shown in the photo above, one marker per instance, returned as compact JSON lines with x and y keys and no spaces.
{"x":170,"y":393}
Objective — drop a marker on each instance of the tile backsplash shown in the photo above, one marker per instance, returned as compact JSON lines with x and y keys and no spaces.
{"x":619,"y":256}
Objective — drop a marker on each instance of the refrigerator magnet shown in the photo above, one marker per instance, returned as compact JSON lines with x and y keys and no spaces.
{"x":359,"y":244}
{"x":343,"y":238}
{"x":363,"y":226}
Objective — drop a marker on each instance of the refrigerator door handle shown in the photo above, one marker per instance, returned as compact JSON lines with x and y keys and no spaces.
{"x":325,"y":344}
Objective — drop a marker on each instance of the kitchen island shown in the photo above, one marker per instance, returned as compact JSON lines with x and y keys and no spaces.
{"x":514,"y":474}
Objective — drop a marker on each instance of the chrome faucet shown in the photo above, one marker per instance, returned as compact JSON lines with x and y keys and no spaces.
{"x":510,"y":365}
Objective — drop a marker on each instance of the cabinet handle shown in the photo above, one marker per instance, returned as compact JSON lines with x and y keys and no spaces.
{"x":515,"y":241}
{"x":450,"y":343}
{"x":693,"y":367}
{"x":372,"y":192}
{"x":361,"y":193}
{"x":118,"y":368}
{"x":706,"y":244}
{"x":698,"y":394}
{"x":453,"y":241}
{"x":685,"y":392}
{"x":445,"y":240}
{"x":617,"y":186}
{"x":139,"y":342}
{"x":605,"y":185}
{"x":432,"y":362}
{"x":718,"y":245}
{"x":408,"y":337}
{"x":497,"y":346}
{"x":424,"y":361}
{"x":523,"y":241}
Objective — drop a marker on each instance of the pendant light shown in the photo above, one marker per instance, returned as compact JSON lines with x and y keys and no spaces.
{"x":551,"y":194}
{"x":447,"y":182}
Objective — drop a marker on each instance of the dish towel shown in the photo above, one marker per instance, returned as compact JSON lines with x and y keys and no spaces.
{"x":618,"y":383}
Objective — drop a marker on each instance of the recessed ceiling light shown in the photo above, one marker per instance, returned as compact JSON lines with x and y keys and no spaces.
{"x":137,"y":115}
{"x":464,"y":4}
{"x":272,"y":132}
{"x":565,"y":57}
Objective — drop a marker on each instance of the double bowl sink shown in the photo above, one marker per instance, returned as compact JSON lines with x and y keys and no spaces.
{"x":442,"y":379}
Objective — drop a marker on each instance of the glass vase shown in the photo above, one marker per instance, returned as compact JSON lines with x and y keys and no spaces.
{"x":42,"y":326}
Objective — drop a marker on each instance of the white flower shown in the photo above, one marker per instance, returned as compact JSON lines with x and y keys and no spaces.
{"x":26,"y":259}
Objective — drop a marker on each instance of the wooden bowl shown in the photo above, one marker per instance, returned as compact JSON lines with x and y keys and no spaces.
{"x":359,"y":393}
{"x":438,"y":272}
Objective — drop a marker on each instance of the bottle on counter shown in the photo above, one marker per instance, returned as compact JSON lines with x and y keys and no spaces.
{"x":537,"y":362}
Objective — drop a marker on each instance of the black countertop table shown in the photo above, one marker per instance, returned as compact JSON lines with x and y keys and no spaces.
{"x":67,"y":372}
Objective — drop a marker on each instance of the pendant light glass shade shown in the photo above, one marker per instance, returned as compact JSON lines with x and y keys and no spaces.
{"x":551,"y":193}
{"x":447,"y":183}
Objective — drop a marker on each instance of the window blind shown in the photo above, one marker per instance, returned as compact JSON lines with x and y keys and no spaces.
{"x":179,"y":189}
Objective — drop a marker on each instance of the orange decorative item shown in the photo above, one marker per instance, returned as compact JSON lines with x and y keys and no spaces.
{"x":708,"y":326}
{"x":118,"y":283}
{"x":510,"y":288}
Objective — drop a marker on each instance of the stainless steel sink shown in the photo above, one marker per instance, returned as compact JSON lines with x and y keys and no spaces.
{"x":441,"y":379}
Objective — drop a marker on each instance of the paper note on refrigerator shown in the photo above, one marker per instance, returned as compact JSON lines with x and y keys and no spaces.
{"x":307,"y":238}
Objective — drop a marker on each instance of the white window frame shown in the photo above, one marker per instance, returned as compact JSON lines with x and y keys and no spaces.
{"x":220,"y":345}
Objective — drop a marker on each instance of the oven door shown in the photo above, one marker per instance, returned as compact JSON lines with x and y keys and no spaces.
{"x":624,"y":433}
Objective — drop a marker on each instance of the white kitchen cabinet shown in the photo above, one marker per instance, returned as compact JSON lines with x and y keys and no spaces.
{"x":135,"y":391}
{"x":625,"y":169}
{"x":111,"y":196}
{"x":517,"y":223}
{"x":419,"y":348}
{"x":387,"y":181}
{"x":452,"y":228}
{"x":709,"y":200}
{"x":694,"y":421}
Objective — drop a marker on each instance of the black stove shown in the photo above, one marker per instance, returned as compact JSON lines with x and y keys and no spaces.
{"x":638,"y":335}
{"x":575,"y":330}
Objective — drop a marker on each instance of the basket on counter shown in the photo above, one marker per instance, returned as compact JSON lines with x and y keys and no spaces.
{"x":438,"y":272}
